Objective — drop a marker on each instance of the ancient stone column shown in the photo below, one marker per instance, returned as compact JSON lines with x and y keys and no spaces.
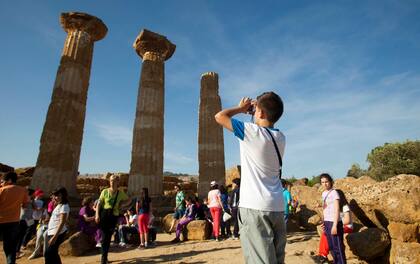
{"x":211,"y":156}
{"x":147,"y":151}
{"x":61,"y":140}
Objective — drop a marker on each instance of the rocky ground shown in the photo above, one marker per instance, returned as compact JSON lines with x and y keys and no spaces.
{"x":300,"y":249}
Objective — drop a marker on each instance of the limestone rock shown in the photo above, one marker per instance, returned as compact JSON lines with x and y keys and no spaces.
{"x":315,"y":220}
{"x":349,"y":253}
{"x":166,"y":223}
{"x":198,"y":230}
{"x":301,"y":182}
{"x":232,"y":173}
{"x":25,"y":172}
{"x":404,"y":232}
{"x":396,"y":199}
{"x":369,"y":243}
{"x":76,"y":245}
{"x":5,"y":168}
{"x":404,"y":253}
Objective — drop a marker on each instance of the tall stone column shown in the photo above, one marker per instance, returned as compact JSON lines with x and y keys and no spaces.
{"x":61,"y":140}
{"x":211,"y":156}
{"x":147,"y":151}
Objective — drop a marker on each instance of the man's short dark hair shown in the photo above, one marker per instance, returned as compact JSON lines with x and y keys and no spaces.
{"x":10,"y":176}
{"x":272,"y":105}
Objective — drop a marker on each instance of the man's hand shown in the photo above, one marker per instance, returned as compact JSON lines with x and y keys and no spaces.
{"x":223,"y":117}
{"x":245,"y":104}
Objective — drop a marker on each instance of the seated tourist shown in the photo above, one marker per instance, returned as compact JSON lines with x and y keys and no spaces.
{"x":87,"y":221}
{"x":189,"y":215}
{"x":130,"y":227}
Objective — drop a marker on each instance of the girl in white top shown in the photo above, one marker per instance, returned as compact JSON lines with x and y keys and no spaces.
{"x":333,"y":226}
{"x":57,"y":229}
{"x":215,"y":206}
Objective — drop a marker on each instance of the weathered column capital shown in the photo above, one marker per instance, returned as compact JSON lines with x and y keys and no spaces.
{"x":152,"y":46}
{"x":76,"y":21}
{"x":210,"y":75}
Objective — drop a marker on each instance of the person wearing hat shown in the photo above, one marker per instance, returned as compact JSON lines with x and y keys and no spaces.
{"x":215,"y":206}
{"x":38,"y":206}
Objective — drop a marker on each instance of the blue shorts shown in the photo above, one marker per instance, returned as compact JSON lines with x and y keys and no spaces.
{"x":179,"y":213}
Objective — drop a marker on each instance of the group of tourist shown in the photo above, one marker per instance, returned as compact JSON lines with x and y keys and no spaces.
{"x":220,"y":208}
{"x":23,"y":213}
{"x":258,"y":205}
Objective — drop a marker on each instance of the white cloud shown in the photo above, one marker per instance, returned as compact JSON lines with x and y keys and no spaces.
{"x":115,"y":134}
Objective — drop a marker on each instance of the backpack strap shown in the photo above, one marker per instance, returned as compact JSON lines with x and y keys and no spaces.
{"x":277,"y":151}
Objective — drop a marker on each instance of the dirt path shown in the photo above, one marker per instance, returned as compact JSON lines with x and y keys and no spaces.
{"x":299,"y":248}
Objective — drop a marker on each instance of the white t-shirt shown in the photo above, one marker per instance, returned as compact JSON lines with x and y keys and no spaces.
{"x":133,"y":219}
{"x":55,"y":219}
{"x":328,"y":199}
{"x":346,"y":209}
{"x":212,"y":198}
{"x":261,"y":188}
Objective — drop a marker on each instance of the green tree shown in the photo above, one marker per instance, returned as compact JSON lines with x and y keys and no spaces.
{"x":314,"y":180}
{"x":355,"y":171}
{"x":394,"y":158}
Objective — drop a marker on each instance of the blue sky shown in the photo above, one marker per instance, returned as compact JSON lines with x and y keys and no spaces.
{"x":348,"y":72}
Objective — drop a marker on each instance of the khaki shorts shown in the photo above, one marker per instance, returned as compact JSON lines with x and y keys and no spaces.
{"x":263,"y":236}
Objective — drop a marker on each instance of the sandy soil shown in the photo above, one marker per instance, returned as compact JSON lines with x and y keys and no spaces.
{"x":300,"y":250}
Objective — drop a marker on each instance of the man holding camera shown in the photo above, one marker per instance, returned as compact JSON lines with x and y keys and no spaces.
{"x":261,"y":209}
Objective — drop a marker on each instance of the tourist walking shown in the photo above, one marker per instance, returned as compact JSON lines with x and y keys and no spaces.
{"x":12,"y":199}
{"x":109,"y":204}
{"x":333,"y":226}
{"x":216,"y":207}
{"x":261,"y":208}
{"x":143,"y":208}
{"x":57,"y":228}
{"x":233,"y":204}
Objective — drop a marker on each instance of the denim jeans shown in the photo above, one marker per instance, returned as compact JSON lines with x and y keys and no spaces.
{"x":10,"y":240}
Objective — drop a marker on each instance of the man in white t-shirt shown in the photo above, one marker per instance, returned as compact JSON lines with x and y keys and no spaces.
{"x":261,"y":209}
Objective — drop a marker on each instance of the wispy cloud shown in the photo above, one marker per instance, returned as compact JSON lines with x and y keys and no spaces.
{"x":115,"y":134}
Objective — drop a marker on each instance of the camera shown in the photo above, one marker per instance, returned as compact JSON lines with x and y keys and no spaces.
{"x":251,"y":109}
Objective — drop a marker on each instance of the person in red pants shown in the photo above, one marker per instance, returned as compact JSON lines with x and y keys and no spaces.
{"x":215,"y":205}
{"x":346,"y":218}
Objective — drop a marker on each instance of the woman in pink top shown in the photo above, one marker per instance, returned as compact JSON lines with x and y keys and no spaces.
{"x":215,"y":206}
{"x":333,"y":226}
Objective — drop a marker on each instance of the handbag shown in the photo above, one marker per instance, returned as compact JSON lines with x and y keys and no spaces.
{"x":226,"y":216}
{"x":277,"y":151}
{"x":106,"y":216}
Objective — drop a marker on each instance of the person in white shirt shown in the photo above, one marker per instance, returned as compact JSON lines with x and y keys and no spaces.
{"x":261,"y":207}
{"x":57,"y":228}
{"x":131,"y":227}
